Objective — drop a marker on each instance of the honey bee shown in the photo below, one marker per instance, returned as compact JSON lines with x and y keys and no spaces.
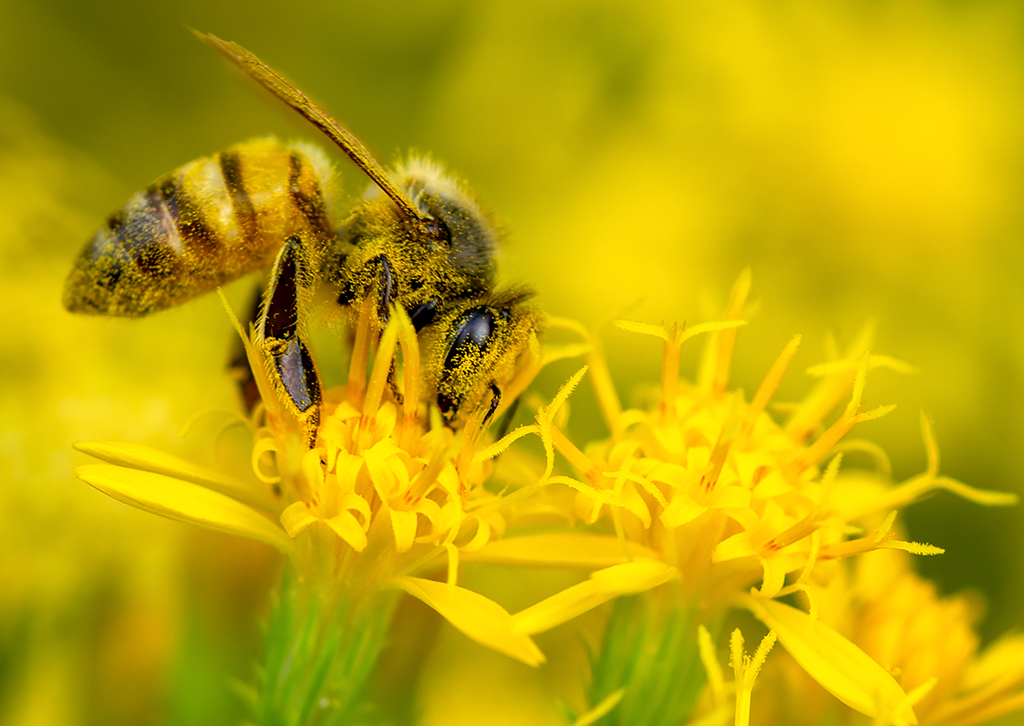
{"x":418,"y":240}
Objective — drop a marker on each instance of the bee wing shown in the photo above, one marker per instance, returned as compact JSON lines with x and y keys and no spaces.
{"x":353,"y":147}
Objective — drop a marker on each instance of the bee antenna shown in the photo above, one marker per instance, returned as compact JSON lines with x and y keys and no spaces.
{"x":353,"y":147}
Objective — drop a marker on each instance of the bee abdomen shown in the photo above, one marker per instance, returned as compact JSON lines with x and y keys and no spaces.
{"x":202,"y":225}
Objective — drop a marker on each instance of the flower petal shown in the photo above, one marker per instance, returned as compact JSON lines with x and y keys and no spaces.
{"x":681,"y":510}
{"x":733,"y":548}
{"x":296,"y":517}
{"x":842,"y":668}
{"x":631,"y":501}
{"x":432,"y":511}
{"x":603,"y":585}
{"x":183,"y":501}
{"x":560,"y":549}
{"x":476,"y":616}
{"x":403,"y":523}
{"x":145,"y":458}
{"x":346,"y":526}
{"x":775,"y":570}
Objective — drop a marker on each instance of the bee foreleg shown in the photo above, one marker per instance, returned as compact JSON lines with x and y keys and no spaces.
{"x":393,"y":385}
{"x":291,"y":366}
{"x":507,"y":418}
{"x":495,"y":402}
{"x":387,"y":287}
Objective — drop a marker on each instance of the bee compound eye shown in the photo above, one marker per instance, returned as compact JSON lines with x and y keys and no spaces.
{"x":465,"y":362}
{"x":471,"y":335}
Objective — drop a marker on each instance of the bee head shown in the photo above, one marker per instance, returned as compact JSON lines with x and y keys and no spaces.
{"x":476,"y":345}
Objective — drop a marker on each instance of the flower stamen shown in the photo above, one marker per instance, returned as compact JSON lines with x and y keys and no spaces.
{"x":360,"y":355}
{"x":745,"y":670}
{"x":768,"y":386}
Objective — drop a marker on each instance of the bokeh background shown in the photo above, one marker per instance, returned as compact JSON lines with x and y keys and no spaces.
{"x":866,"y":159}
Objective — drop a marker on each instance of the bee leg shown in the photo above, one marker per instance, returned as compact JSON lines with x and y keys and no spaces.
{"x":495,"y":400}
{"x":238,"y":363}
{"x":393,"y":385}
{"x":292,"y":367}
{"x":506,"y":420}
{"x":387,"y":287}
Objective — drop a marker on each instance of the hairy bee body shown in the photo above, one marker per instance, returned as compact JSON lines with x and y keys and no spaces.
{"x":418,"y":240}
{"x":379,"y":255}
{"x":202,"y":225}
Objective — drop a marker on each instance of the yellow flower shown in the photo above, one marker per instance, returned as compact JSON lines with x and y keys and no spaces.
{"x":705,"y":495}
{"x":692,"y":508}
{"x":383,"y":497}
{"x":899,"y":619}
{"x":925,"y":641}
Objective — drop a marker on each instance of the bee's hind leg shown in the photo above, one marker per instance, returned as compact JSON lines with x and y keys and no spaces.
{"x":292,"y":368}
{"x":238,"y":362}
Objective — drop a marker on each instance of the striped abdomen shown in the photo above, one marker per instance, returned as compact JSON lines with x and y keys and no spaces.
{"x":202,"y":225}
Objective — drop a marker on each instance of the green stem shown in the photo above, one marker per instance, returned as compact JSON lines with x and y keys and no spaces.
{"x":650,"y":651}
{"x":319,"y":655}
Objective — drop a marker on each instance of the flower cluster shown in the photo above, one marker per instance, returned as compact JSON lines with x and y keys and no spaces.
{"x":694,"y":509}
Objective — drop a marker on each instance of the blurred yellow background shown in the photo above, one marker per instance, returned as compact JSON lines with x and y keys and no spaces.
{"x":866,"y":159}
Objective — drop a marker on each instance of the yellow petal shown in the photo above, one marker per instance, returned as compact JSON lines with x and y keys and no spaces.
{"x":481,"y":537}
{"x":603,"y":585}
{"x":356,"y":504}
{"x":731,"y":497}
{"x":432,"y":511}
{"x":733,"y":548}
{"x":146,"y":458}
{"x":775,"y":570}
{"x":477,"y":617}
{"x":380,"y":473}
{"x":347,"y":469}
{"x":183,"y":501}
{"x":403,"y":523}
{"x":842,"y":668}
{"x":559,"y":549}
{"x":632,"y":502}
{"x":296,"y":517}
{"x":681,"y":510}
{"x":346,"y":526}
{"x":668,"y":473}
{"x":633,"y":577}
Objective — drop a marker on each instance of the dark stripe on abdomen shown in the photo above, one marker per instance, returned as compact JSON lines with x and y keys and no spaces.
{"x":139,"y":233}
{"x":312,"y":207}
{"x":234,"y":180}
{"x":195,"y":234}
